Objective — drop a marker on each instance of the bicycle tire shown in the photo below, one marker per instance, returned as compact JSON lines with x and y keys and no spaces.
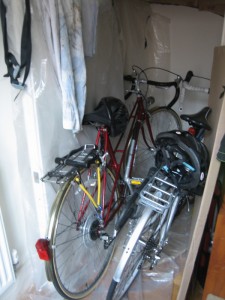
{"x":129,"y":265}
{"x":145,"y":244}
{"x":77,"y":249}
{"x":164,"y":119}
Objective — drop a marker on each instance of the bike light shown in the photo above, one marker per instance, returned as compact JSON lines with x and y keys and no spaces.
{"x":192,"y":131}
{"x":42,"y":246}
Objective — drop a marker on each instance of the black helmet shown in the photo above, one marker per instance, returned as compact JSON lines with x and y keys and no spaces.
{"x":111,"y":112}
{"x":182,"y":155}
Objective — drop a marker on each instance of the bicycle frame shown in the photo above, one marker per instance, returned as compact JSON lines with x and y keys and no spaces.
{"x":137,"y":116}
{"x":104,"y":157}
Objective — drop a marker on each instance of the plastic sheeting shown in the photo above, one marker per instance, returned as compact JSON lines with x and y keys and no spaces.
{"x":157,"y":283}
{"x":150,"y":284}
{"x":144,"y":35}
{"x":145,"y":41}
{"x":37,"y":114}
{"x":128,"y":34}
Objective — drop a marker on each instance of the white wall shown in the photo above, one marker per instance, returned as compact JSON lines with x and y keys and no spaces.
{"x":193,"y":36}
{"x":10,"y":196}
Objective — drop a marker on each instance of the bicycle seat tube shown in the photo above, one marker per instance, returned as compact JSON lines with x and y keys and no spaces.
{"x":139,"y":118}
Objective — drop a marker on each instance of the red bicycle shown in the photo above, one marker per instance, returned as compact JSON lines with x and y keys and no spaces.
{"x":96,"y":179}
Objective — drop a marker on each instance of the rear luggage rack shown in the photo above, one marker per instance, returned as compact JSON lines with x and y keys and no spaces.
{"x":69,"y":165}
{"x":158,"y":194}
{"x":60,"y":174}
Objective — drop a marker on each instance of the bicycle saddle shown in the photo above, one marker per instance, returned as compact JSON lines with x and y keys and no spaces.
{"x":110,"y":112}
{"x":199,"y":119}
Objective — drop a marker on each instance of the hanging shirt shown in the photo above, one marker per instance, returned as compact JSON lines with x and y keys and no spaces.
{"x":63,"y":30}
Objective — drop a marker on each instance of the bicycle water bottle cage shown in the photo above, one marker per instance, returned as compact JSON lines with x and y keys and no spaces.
{"x":199,"y":119}
{"x":110,"y":112}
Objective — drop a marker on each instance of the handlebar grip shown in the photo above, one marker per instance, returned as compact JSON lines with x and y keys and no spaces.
{"x":189,"y":75}
{"x":127,"y":95}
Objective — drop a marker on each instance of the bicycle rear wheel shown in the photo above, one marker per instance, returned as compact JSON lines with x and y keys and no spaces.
{"x":129,"y":264}
{"x":147,"y":239}
{"x":78,"y":257}
{"x":145,"y":245}
{"x":164,"y":119}
{"x":156,"y":210}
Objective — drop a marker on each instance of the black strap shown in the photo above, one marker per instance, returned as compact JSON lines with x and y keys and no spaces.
{"x":13,"y":67}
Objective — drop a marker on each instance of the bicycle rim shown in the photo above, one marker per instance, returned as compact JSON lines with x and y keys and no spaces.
{"x":164,"y":119}
{"x":118,"y":289}
{"x":129,"y":265}
{"x":78,"y":258}
{"x":147,"y":248}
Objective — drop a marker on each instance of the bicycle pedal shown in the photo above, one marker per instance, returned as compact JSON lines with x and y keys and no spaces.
{"x":136,"y":181}
{"x":108,"y":241}
{"x":153,"y":150}
{"x":104,"y":237}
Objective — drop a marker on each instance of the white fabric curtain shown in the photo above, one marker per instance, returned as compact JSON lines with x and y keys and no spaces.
{"x":63,"y":32}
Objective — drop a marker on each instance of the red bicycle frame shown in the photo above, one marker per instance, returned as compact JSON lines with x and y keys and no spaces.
{"x":138,"y":116}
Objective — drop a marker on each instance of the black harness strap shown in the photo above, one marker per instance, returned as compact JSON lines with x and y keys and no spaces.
{"x":13,"y":67}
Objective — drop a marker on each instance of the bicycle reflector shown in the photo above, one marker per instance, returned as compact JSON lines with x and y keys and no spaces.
{"x":192,"y":131}
{"x":42,"y":246}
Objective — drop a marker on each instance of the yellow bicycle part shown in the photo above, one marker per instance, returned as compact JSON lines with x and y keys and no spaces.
{"x":83,"y":188}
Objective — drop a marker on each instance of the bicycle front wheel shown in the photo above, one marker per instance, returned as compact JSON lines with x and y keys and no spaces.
{"x":164,"y":119}
{"x":78,"y":256}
